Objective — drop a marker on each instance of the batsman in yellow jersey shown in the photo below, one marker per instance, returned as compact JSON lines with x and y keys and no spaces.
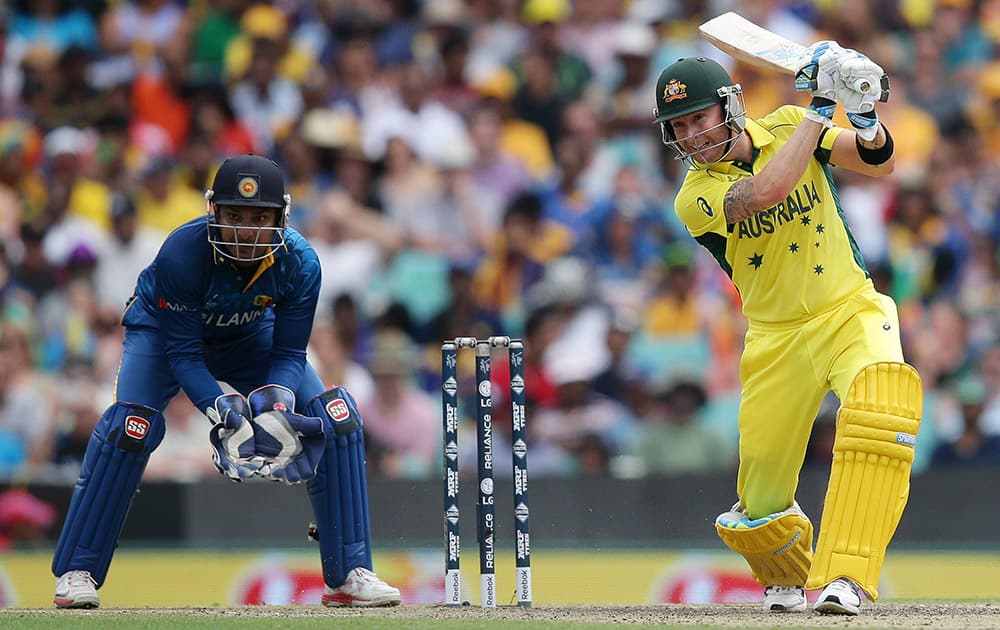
{"x":759,"y":195}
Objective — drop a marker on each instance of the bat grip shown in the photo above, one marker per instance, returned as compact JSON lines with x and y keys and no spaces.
{"x":862,"y":85}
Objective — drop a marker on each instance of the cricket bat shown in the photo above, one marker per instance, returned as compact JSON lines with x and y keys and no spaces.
{"x":745,"y":41}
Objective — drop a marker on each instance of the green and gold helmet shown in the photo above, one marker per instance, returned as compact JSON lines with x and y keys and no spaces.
{"x":695,"y":83}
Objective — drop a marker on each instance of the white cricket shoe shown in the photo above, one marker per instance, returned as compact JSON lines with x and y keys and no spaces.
{"x":361,"y":589}
{"x":840,"y":597}
{"x":784,"y":599}
{"x":76,"y":589}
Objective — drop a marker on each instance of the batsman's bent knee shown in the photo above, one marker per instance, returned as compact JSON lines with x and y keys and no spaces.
{"x":778,"y":547}
{"x":870,"y":476}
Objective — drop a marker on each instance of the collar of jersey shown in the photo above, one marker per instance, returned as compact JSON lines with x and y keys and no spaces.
{"x":261,"y":268}
{"x":759,"y":136}
{"x":264,"y":265}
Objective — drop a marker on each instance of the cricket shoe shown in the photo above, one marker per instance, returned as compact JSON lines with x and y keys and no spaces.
{"x":76,"y":589}
{"x":361,"y":589}
{"x":840,"y":597}
{"x":784,"y":599}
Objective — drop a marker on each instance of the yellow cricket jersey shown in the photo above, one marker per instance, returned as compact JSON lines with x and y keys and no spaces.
{"x":792,"y":260}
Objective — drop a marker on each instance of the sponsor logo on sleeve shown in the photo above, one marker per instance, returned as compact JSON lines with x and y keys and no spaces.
{"x":170,"y":306}
{"x":703,"y":204}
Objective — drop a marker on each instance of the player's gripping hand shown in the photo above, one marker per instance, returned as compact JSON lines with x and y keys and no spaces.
{"x":817,"y":75}
{"x":290,"y":444}
{"x":861,"y":83}
{"x":232,"y":438}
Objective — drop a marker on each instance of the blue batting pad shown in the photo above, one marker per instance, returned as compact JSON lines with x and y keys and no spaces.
{"x":339,"y":491}
{"x":112,"y":468}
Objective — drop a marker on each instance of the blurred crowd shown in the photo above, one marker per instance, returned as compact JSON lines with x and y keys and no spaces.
{"x":474,"y":168}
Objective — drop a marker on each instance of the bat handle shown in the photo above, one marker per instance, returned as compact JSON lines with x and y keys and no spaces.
{"x":861,"y":85}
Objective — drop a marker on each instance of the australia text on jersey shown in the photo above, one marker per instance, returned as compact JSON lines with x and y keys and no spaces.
{"x":799,"y":201}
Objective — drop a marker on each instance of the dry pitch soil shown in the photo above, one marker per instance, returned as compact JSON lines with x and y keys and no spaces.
{"x":936,"y":616}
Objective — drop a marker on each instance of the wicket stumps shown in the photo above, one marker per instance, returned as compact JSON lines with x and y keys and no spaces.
{"x":485,"y":507}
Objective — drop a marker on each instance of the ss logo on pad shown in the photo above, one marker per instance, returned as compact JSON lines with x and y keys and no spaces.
{"x":136,"y":427}
{"x":338,"y":410}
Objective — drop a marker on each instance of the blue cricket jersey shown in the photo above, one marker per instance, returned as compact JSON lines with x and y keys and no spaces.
{"x":196,"y":298}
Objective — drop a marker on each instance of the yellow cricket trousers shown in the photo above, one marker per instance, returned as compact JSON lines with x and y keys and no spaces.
{"x":786,"y":370}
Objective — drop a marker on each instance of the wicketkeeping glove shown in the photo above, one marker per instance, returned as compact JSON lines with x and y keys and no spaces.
{"x":817,"y":75}
{"x":232,"y":437}
{"x":290,"y":444}
{"x":860,"y":84}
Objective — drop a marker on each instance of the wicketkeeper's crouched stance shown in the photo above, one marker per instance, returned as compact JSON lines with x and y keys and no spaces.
{"x":225,"y":312}
{"x":760,"y":197}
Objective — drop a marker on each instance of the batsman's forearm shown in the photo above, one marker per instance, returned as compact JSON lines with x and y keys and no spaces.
{"x":780,"y":175}
{"x":776,"y":180}
{"x":877,"y":142}
{"x":878,"y":155}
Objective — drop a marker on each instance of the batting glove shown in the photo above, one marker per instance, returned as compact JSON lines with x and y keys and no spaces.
{"x":817,"y":75}
{"x":861,"y":83}
{"x":232,"y":437}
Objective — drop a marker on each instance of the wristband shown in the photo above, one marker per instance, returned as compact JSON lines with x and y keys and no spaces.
{"x":821,"y":110}
{"x":866,"y":124}
{"x":875,"y":156}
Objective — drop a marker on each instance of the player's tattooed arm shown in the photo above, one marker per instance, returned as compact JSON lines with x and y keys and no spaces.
{"x":740,"y":201}
{"x":775,"y":181}
{"x":875,"y":143}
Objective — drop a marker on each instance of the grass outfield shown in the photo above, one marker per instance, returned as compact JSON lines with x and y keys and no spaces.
{"x":940,"y":615}
{"x":230,"y":618}
{"x":171,"y":621}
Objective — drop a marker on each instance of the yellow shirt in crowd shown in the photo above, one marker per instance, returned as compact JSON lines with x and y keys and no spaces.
{"x":181,"y":205}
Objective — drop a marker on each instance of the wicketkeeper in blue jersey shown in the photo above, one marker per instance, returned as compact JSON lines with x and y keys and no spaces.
{"x":224,"y":312}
